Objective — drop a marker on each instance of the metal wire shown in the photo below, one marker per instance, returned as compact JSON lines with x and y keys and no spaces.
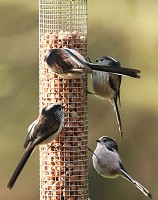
{"x":64,"y":162}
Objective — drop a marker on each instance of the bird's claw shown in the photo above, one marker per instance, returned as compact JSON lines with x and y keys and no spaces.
{"x":87,"y":92}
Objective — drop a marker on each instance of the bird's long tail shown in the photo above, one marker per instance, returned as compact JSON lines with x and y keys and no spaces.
{"x":138,"y":185}
{"x":116,"y":70}
{"x":19,"y":168}
{"x":118,"y":116}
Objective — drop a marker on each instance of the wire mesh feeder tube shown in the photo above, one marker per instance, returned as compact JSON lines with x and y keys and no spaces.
{"x":63,"y":170}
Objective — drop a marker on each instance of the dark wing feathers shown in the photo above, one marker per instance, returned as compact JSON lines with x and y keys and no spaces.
{"x":111,"y":145}
{"x":41,"y":129}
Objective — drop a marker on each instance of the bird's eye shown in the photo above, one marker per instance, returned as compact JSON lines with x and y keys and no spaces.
{"x":104,"y":140}
{"x":101,"y":59}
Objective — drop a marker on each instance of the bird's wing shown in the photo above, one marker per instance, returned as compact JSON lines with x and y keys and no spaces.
{"x":115,"y":83}
{"x":138,"y":185}
{"x":77,"y":58}
{"x":44,"y":129}
{"x":30,"y":134}
{"x":111,"y":146}
{"x":77,"y":55}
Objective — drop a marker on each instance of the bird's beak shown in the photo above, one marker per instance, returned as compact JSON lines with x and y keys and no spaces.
{"x":98,"y":140}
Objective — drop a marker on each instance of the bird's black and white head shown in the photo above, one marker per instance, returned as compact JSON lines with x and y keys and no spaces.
{"x":108,"y":142}
{"x":108,"y":61}
{"x":67,"y":63}
{"x":53,"y":109}
{"x":61,"y":56}
{"x":51,"y":56}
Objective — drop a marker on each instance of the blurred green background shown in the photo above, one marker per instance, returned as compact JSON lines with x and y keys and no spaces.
{"x":126,"y":30}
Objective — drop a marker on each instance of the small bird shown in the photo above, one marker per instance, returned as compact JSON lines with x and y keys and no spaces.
{"x":107,"y":163}
{"x":107,"y":85}
{"x":68,"y":63}
{"x":42,"y":131}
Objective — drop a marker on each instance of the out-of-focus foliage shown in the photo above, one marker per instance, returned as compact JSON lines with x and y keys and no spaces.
{"x":125,"y":30}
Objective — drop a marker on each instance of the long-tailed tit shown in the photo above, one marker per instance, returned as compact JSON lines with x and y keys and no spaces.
{"x":42,"y":131}
{"x":107,"y":162}
{"x":68,"y":63}
{"x":107,"y":85}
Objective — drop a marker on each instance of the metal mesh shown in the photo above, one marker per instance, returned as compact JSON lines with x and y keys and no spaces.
{"x":63,"y":170}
